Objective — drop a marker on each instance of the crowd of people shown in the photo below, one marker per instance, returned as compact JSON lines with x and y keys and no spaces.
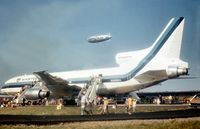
{"x":103,"y":105}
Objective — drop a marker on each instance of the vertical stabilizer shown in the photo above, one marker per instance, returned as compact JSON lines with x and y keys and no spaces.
{"x":169,"y":41}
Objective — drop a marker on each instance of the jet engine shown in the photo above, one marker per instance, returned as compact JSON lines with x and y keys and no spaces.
{"x":34,"y":94}
{"x":176,"y":71}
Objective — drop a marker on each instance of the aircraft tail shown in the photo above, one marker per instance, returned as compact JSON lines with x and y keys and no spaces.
{"x":165,"y":52}
{"x":169,"y":41}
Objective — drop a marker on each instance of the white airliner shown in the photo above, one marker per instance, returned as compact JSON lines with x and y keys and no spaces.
{"x":137,"y":69}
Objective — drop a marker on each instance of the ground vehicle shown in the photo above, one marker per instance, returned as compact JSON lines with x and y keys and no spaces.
{"x":195,"y":101}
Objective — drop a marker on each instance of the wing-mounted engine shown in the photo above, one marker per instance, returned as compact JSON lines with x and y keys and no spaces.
{"x":175,"y":71}
{"x":34,"y":94}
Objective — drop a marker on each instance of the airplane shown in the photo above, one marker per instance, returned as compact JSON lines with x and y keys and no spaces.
{"x":137,"y":69}
{"x":99,"y":38}
{"x":14,"y":88}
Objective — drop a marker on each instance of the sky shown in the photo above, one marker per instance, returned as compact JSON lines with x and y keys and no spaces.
{"x":51,"y":35}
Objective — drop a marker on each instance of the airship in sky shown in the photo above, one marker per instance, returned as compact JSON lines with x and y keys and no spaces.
{"x":99,"y":38}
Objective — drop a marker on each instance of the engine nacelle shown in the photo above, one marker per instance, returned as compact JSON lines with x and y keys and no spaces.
{"x":34,"y":94}
{"x":176,"y":71}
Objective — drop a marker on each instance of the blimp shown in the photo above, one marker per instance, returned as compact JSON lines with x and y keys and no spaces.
{"x":99,"y":38}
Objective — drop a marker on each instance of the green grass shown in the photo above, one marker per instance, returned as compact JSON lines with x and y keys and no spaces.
{"x":40,"y":110}
{"x":68,"y":110}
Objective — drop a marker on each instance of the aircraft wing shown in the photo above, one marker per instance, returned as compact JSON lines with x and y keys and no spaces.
{"x":56,"y":85}
{"x":152,"y":77}
{"x":48,"y":79}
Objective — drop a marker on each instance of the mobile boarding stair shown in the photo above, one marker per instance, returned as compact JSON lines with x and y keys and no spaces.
{"x":90,"y":90}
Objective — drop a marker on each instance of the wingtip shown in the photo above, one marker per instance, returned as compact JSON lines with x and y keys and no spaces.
{"x":43,"y":71}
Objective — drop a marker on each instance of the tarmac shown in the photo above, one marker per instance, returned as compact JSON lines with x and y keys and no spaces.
{"x":56,"y":119}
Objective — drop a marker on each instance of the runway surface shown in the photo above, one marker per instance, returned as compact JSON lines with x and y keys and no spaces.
{"x":55,"y":119}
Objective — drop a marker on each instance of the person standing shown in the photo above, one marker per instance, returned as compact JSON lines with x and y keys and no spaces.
{"x":59,"y":104}
{"x":88,"y":108}
{"x":134,"y":104}
{"x":83,"y":103}
{"x":129,"y":104}
{"x":105,"y":105}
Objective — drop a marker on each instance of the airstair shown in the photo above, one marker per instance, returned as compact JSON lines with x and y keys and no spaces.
{"x":20,"y":97}
{"x":90,"y":89}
